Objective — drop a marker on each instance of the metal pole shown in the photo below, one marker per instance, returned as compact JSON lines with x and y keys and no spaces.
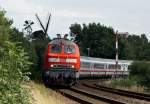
{"x":116,"y":51}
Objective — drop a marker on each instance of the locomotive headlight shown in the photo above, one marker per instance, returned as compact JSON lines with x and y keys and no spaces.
{"x":52,"y":65}
{"x":72,"y":66}
{"x":53,"y":60}
{"x":71,"y":60}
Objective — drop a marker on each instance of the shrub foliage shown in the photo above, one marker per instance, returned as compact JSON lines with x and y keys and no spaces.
{"x":141,"y":70}
{"x":14,"y":66}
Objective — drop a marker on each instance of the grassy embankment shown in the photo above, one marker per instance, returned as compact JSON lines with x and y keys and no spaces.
{"x":42,"y":95}
{"x":124,"y":84}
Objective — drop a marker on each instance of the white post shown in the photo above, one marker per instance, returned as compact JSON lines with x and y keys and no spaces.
{"x":116,"y":51}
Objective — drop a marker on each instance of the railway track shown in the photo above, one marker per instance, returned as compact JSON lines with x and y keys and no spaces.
{"x":130,"y":94}
{"x":85,"y":97}
{"x":87,"y":92}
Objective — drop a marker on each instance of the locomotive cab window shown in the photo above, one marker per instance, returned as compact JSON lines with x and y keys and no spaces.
{"x":69,"y":49}
{"x":56,"y":48}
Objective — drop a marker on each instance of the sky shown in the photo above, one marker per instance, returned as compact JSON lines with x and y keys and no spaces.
{"x":123,"y":15}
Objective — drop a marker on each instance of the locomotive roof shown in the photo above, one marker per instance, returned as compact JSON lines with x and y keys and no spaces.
{"x":102,"y":60}
{"x":62,"y":41}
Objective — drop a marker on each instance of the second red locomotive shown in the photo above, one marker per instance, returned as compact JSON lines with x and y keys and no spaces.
{"x":61,"y":62}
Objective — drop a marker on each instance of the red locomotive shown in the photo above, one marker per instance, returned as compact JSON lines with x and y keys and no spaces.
{"x":61,"y":62}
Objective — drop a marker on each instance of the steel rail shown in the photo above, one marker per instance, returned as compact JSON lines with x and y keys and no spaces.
{"x":75,"y":98}
{"x":97,"y":97}
{"x":136,"y":95}
{"x":86,"y":94}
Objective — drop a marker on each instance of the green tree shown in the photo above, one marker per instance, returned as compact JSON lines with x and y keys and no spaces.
{"x":137,"y":47}
{"x":5,"y":24}
{"x":122,"y":48}
{"x":98,"y":38}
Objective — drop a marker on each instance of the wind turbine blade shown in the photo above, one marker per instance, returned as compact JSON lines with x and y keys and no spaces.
{"x":40,"y":23}
{"x":47,"y":25}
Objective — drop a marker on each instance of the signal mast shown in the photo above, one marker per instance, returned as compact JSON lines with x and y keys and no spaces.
{"x":116,"y":51}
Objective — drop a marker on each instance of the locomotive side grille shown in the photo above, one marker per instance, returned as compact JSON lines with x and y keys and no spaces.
{"x":62,"y":66}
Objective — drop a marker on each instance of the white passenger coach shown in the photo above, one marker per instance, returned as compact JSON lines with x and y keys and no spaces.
{"x":100,"y":67}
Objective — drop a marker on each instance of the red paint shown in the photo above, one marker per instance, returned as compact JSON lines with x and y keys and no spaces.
{"x":63,"y":56}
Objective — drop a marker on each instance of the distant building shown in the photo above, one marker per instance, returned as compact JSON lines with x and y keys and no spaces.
{"x":123,"y":34}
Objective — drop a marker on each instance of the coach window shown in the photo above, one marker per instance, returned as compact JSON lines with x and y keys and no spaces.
{"x":98,"y":66}
{"x":69,"y":49}
{"x":56,"y":49}
{"x":85,"y":64}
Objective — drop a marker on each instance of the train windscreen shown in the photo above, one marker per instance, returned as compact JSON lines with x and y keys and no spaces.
{"x":69,"y":49}
{"x":56,"y":48}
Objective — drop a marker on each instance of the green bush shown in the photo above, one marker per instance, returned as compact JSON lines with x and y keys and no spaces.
{"x":17,"y":36}
{"x":141,"y":70}
{"x":13,"y":71}
{"x":14,"y":66}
